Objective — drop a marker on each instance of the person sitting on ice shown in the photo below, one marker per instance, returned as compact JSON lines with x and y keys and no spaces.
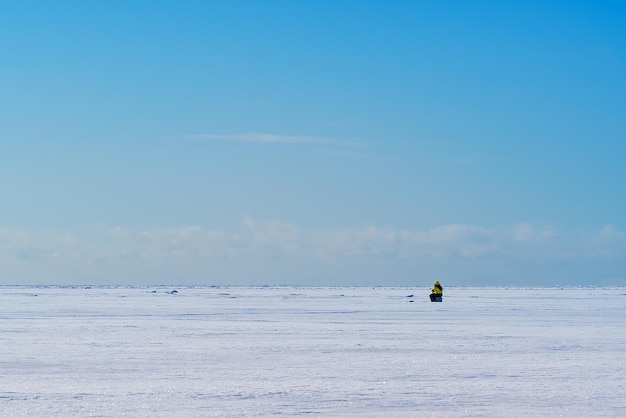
{"x":437,"y":292}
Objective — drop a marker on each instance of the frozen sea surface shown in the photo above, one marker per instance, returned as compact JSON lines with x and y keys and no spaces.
{"x":483,"y":352}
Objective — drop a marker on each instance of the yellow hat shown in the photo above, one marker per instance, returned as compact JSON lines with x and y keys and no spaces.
{"x":436,"y":282}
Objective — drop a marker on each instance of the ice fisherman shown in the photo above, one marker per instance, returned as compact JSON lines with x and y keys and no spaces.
{"x":436,"y":294}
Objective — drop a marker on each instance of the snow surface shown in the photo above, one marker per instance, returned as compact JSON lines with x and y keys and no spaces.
{"x":483,"y":352}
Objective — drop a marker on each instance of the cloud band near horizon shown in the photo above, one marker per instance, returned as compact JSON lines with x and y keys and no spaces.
{"x":268,"y":243}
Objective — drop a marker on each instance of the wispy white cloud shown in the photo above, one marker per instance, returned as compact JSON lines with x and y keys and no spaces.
{"x":270,"y":236}
{"x":526,"y":232}
{"x":608,"y":242}
{"x":271,"y":138}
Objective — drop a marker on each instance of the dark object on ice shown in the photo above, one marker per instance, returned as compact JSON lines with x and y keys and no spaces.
{"x":173,"y":292}
{"x":409,"y":296}
{"x":435,"y":298}
{"x":436,"y":293}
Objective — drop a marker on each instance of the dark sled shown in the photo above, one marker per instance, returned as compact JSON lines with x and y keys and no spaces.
{"x":436,"y":298}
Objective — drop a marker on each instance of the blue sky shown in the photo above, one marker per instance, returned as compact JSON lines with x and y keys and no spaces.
{"x":313,"y":142}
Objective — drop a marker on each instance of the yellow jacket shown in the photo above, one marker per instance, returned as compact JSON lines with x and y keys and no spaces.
{"x":437,"y":289}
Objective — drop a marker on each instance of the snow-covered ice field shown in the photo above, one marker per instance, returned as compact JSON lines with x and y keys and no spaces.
{"x":230,"y":351}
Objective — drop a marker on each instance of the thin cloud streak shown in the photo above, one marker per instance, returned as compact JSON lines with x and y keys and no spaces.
{"x":272,"y":139}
